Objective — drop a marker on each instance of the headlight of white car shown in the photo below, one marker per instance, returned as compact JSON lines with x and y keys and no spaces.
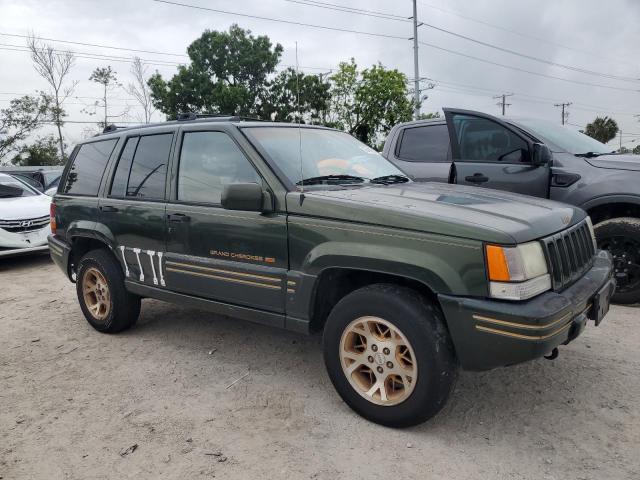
{"x":517,"y":273}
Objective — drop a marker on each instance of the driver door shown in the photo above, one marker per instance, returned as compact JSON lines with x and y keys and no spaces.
{"x":488,"y":153}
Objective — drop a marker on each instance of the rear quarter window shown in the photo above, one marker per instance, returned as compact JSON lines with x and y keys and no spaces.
{"x":424,"y":144}
{"x":85,"y":173}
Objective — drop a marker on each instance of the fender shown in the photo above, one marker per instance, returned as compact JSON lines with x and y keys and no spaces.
{"x":608,"y":199}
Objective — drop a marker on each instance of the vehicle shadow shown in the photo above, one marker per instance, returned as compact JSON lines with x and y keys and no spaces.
{"x":25,"y":262}
{"x":559,"y":395}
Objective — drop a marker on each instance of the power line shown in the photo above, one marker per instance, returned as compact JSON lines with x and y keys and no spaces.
{"x":524,"y":35}
{"x":565,"y":116}
{"x":524,"y":70}
{"x":281,"y":20}
{"x":344,"y":8}
{"x":531,"y":57}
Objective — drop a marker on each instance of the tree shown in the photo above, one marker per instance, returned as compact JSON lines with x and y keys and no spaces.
{"x":44,"y":151}
{"x":140,"y":90}
{"x":21,"y":118}
{"x":368,"y":104}
{"x":603,"y":129}
{"x":280,"y":102}
{"x":54,"y":67}
{"x":106,"y":77}
{"x":228,"y":74}
{"x":428,"y":116}
{"x":636,"y":150}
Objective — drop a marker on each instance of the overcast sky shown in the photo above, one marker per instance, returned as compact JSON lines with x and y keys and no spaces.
{"x":595,"y":35}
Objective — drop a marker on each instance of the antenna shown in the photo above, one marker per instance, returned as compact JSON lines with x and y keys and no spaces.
{"x":299,"y":128}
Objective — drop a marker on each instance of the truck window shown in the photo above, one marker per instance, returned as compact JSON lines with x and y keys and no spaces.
{"x":121,"y":177}
{"x":424,"y":144}
{"x":88,"y":166}
{"x":149,"y":167}
{"x":208,"y":162}
{"x":481,"y":139}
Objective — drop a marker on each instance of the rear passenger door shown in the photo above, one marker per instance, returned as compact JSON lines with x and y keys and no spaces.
{"x":423,"y":152}
{"x":488,"y":153}
{"x":133,"y":212}
{"x":235,"y":256}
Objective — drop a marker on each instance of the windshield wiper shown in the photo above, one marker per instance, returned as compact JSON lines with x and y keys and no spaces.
{"x":389,"y":179}
{"x":592,"y":154}
{"x":331,"y":180}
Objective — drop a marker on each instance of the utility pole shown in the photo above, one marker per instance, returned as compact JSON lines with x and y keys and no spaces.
{"x":416,"y":67}
{"x":503,"y":103}
{"x":563,"y":105}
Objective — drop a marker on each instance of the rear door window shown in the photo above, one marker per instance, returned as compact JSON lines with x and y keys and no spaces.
{"x":121,"y":177}
{"x":424,"y":144}
{"x":483,"y":140}
{"x":85,"y":173}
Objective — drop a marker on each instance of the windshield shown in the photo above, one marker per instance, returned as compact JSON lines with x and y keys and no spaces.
{"x":11,"y":187}
{"x":562,"y":137}
{"x":335,"y":156}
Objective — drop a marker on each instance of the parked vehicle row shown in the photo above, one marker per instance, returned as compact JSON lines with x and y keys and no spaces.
{"x":307,"y":229}
{"x":24,"y":217}
{"x":472,"y":148}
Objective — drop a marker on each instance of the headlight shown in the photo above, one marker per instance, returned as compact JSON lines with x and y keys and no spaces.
{"x":517,"y":273}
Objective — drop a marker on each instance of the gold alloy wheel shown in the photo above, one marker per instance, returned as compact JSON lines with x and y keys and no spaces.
{"x":97,"y":297}
{"x":378,"y":361}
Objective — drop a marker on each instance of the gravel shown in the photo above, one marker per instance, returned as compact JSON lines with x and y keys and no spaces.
{"x":78,"y":404}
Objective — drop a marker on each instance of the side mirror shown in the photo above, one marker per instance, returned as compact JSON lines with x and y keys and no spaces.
{"x":244,"y":196}
{"x":540,"y":155}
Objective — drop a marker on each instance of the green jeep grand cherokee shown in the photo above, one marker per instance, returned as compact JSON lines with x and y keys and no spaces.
{"x":307,"y":229}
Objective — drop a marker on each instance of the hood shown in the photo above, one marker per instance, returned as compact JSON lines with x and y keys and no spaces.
{"x":20,"y":208}
{"x":456,"y":210}
{"x":616,"y":162}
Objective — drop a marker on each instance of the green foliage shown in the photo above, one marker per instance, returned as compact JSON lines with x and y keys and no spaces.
{"x":636,"y":150}
{"x":280,"y":102}
{"x":368,"y":103}
{"x":44,"y":151}
{"x":104,"y":76}
{"x":22,"y":117}
{"x":428,"y":116}
{"x":603,"y":129}
{"x":228,"y":74}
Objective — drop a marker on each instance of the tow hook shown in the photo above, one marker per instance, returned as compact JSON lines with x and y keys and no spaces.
{"x":553,"y":355}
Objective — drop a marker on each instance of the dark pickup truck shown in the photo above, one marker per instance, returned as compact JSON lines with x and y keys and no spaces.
{"x":472,"y":148}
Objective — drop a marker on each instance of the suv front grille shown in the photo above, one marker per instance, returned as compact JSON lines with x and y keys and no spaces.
{"x":24,"y":225}
{"x":570,"y":254}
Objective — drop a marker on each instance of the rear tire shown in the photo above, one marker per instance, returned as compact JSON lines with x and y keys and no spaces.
{"x":621,"y":237}
{"x":106,"y":304}
{"x":389,"y":355}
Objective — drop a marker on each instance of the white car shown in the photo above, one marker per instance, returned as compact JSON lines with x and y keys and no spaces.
{"x":24,"y":217}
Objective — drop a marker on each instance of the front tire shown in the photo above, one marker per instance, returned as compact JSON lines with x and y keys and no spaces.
{"x":389,"y":355}
{"x":106,"y":304}
{"x":621,"y":237}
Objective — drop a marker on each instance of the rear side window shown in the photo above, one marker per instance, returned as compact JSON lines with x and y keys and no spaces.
{"x":88,"y":166}
{"x":142,"y":168}
{"x":424,"y":144}
{"x":208,"y":162}
{"x":121,"y":177}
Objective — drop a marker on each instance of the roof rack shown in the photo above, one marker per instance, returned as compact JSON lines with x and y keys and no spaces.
{"x":111,"y":128}
{"x":190,"y":116}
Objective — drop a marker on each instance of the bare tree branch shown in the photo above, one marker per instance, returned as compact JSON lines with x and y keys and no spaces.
{"x":140,"y":90}
{"x":54,"y":67}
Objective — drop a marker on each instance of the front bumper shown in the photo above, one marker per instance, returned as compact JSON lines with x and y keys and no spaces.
{"x":492,"y":333}
{"x":19,"y":240}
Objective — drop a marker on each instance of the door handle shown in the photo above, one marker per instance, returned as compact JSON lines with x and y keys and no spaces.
{"x":178,"y":217}
{"x":477,"y":178}
{"x":108,"y":208}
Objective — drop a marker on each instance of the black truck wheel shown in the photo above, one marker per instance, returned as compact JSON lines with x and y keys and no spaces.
{"x":106,"y":304}
{"x":389,"y":355}
{"x":621,"y":237}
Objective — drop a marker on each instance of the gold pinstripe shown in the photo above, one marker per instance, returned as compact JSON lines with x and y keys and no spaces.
{"x":521,"y":325}
{"x":521,"y":336}
{"x":225,"y":279}
{"x":221,"y":270}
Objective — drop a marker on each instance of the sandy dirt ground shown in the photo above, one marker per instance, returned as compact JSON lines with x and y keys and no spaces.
{"x":74,"y":402}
